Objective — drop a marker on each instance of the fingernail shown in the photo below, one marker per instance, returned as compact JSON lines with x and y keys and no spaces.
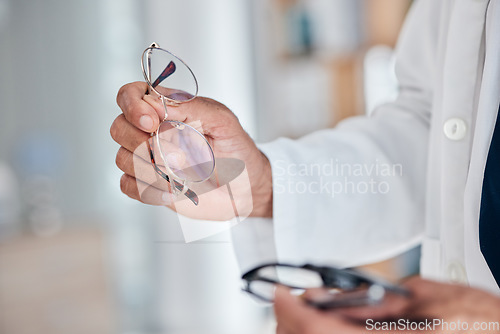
{"x":146,"y":122}
{"x":166,"y":198}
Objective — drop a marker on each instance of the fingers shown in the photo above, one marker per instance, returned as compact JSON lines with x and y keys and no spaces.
{"x":421,"y":289}
{"x":289,"y":312}
{"x":144,"y":192}
{"x":140,"y":169}
{"x":145,"y":111}
{"x":131,"y":138}
{"x":392,"y":306}
{"x":138,"y":111}
{"x":206,"y":115}
{"x":295,"y":317}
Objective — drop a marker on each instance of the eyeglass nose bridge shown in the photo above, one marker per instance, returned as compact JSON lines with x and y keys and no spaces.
{"x":168,"y":102}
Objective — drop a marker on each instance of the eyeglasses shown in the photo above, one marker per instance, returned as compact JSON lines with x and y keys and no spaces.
{"x":322,"y":287}
{"x":179,"y":152}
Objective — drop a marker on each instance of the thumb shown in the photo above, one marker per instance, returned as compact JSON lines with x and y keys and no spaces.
{"x":294,"y":316}
{"x":292,"y":313}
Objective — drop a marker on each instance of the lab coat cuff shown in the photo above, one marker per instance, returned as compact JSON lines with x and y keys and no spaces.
{"x":253,"y":243}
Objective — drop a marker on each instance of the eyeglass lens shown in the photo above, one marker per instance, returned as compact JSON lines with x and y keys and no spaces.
{"x":292,"y":276}
{"x":183,"y":151}
{"x":169,"y":76}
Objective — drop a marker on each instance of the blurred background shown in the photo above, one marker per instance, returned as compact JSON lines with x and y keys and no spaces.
{"x":76,"y":255}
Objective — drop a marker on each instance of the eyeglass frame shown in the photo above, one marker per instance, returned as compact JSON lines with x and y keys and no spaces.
{"x":328,"y":276}
{"x":173,"y":179}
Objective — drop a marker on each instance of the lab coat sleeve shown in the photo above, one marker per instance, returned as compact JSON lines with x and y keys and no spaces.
{"x":355,"y":194}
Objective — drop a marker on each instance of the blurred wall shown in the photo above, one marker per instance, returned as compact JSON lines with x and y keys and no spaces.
{"x":61,"y":65}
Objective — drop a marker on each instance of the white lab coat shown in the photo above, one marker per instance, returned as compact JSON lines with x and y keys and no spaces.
{"x":437,"y":132}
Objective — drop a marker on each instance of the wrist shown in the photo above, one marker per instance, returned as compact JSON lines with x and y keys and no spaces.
{"x":262,"y":189}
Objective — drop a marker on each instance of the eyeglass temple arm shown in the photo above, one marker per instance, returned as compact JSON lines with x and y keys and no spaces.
{"x":168,"y":71}
{"x":188,"y":193}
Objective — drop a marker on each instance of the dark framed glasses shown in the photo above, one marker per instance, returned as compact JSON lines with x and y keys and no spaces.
{"x":322,"y":287}
{"x":179,"y":152}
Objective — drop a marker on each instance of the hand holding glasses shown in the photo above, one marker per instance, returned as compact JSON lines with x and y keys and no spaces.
{"x":179,"y":152}
{"x":321,"y":287}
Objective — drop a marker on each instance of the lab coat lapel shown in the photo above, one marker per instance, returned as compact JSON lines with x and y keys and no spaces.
{"x":462,"y":63}
{"x":489,"y":99}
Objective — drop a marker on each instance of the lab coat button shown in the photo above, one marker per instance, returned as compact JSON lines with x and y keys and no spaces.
{"x":456,"y":273}
{"x":455,"y":128}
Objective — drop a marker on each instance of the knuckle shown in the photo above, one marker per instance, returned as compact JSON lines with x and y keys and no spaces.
{"x":120,"y":157}
{"x":128,"y":186}
{"x":114,"y":130}
{"x":124,"y":184}
{"x":122,"y":92}
{"x":119,"y":96}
